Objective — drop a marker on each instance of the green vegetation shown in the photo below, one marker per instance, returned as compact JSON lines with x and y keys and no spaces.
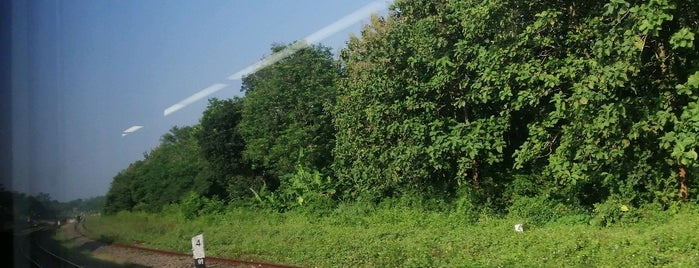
{"x":391,"y":235}
{"x":285,"y":112}
{"x":222,"y":146}
{"x":490,"y":104}
{"x":450,"y":120}
{"x":164,"y":176}
{"x":18,"y":208}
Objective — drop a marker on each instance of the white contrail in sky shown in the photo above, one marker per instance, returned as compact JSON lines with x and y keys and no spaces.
{"x":267,"y":61}
{"x":191,"y":99}
{"x":315,"y":37}
{"x":131,"y":130}
{"x":345,"y":22}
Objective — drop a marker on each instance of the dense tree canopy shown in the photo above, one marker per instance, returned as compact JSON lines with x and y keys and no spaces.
{"x":579,"y":98}
{"x":492,"y":102}
{"x":222,"y":146}
{"x":166,"y":174}
{"x":285,"y":111}
{"x":19,"y":208}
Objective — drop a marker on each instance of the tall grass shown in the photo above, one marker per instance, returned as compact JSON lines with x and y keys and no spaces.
{"x":361,"y":235}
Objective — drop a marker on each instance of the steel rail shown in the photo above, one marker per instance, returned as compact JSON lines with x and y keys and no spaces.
{"x":218,"y":260}
{"x":37,"y":255}
{"x":59,"y":258}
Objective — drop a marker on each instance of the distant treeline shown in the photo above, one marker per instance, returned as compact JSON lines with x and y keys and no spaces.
{"x":477,"y":103}
{"x":17,"y":207}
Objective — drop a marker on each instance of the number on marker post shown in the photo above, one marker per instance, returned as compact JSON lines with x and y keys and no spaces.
{"x":198,"y":251}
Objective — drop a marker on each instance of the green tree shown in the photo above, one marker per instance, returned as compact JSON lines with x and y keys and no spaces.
{"x":411,"y":115}
{"x":285,"y":112}
{"x":222,"y":146}
{"x":170,"y":171}
{"x":119,"y":196}
{"x":610,"y":90}
{"x":466,"y":94}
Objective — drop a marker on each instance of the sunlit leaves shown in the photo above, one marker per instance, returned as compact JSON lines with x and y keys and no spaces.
{"x":684,"y":38}
{"x":683,"y":140}
{"x":168,"y":172}
{"x":593,"y":100}
{"x":653,"y":15}
{"x":285,"y":111}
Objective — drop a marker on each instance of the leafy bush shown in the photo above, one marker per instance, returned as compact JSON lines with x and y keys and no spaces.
{"x":194,"y":205}
{"x":466,"y":207}
{"x":523,"y":185}
{"x":614,"y":210}
{"x":540,"y":210}
{"x":307,"y":190}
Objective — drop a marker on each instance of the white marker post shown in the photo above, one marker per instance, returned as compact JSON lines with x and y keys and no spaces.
{"x":198,"y":251}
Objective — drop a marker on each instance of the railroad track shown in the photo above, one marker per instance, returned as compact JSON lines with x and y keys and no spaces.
{"x":34,"y":254}
{"x":213,"y":261}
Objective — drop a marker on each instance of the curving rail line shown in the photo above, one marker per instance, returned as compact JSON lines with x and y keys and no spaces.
{"x":35,"y":254}
{"x":210,"y":260}
{"x":42,"y":257}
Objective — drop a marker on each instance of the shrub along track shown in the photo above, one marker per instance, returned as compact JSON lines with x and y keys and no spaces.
{"x":210,"y":261}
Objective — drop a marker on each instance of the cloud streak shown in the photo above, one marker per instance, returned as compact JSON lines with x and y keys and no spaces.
{"x":269,"y":60}
{"x":194,"y":98}
{"x":131,"y":130}
{"x":345,"y":22}
{"x":313,"y":38}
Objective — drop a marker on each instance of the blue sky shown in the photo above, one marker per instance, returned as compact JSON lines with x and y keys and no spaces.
{"x":84,"y":71}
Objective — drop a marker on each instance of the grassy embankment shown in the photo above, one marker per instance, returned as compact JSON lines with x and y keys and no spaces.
{"x":357,"y":236}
